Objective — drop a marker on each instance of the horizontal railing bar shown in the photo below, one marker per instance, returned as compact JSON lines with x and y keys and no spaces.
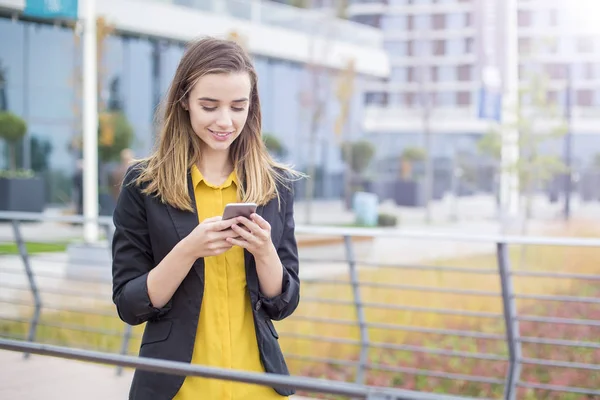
{"x":349,"y":231}
{"x":321,"y":359}
{"x":69,"y":327}
{"x":53,"y":307}
{"x":557,"y":275}
{"x":73,"y":278}
{"x":40,"y":217}
{"x":404,"y":308}
{"x":64,"y":292}
{"x":447,"y":332}
{"x":324,"y":320}
{"x":447,"y":236}
{"x":441,"y":352}
{"x":556,"y":388}
{"x":570,"y":299}
{"x":436,"y":374}
{"x":487,"y":271}
{"x":328,"y":339}
{"x":553,"y":320}
{"x":77,"y":262}
{"x":558,"y":342}
{"x":561,"y":364}
{"x":186,"y":369}
{"x":382,"y":285}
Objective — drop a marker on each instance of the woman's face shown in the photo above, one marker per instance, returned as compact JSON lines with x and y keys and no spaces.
{"x":218,"y":106}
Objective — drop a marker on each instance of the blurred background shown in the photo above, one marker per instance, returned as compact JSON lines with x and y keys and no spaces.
{"x":397,"y":98}
{"x":466,"y":118}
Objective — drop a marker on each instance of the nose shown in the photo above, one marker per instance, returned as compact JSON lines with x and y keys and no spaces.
{"x":224,"y":120}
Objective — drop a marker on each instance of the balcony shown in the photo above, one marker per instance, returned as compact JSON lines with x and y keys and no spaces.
{"x":288,"y":17}
{"x":269,"y":29}
{"x":382,"y":8}
{"x":459,"y":120}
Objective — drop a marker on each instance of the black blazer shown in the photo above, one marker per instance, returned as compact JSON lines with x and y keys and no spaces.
{"x":145,"y":232}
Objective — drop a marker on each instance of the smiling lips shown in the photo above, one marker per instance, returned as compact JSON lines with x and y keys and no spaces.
{"x":221,"y":136}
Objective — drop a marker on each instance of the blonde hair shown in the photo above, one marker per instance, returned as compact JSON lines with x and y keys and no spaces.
{"x":165,"y":172}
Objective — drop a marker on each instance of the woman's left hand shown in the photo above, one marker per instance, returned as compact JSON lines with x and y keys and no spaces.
{"x":254,"y":236}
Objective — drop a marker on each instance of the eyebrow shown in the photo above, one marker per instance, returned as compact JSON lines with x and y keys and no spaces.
{"x":244,"y":99}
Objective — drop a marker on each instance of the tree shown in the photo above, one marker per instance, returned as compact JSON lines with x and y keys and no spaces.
{"x":3,"y":97}
{"x":12,"y":130}
{"x":409,"y":156}
{"x":538,"y":120}
{"x":361,"y":153}
{"x":274,"y":145}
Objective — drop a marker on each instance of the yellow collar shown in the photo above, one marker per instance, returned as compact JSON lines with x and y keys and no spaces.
{"x":197,"y":177}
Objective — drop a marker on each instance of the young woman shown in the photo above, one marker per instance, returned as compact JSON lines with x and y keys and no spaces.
{"x":208,"y":289}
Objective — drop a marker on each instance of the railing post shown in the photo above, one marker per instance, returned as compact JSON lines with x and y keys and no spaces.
{"x":360,"y":313}
{"x":511,"y":323}
{"x":32,"y":286}
{"x":124,"y":346}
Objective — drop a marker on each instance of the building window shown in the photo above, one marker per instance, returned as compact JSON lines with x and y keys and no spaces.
{"x":456,"y":47}
{"x":422,"y":21}
{"x":371,"y":20}
{"x":585,"y":98}
{"x":446,"y":73}
{"x":376,"y":98}
{"x":464,"y":73}
{"x":394,"y":22}
{"x":439,"y":22}
{"x":556,"y":71}
{"x":396,"y":48}
{"x":456,"y":20}
{"x":524,"y":18}
{"x":399,"y":74}
{"x":439,"y":47}
{"x":463,"y":98}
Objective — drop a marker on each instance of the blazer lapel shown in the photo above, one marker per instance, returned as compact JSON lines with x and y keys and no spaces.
{"x":185,"y":222}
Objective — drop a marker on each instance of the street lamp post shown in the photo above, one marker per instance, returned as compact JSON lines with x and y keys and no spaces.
{"x":568,"y":148}
{"x":90,"y":125}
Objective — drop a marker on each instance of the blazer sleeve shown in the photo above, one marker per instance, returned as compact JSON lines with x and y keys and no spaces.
{"x":132,"y":256}
{"x":283,"y":305}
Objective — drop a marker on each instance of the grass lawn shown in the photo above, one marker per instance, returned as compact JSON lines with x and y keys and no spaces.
{"x":538,"y":258}
{"x":33,"y":248}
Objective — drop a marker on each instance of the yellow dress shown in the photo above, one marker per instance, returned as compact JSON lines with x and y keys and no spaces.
{"x":225,"y":336}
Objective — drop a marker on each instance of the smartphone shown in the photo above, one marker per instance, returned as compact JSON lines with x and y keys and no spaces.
{"x":233,"y":210}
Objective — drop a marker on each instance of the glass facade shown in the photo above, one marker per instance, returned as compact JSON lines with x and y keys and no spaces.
{"x":42,"y":66}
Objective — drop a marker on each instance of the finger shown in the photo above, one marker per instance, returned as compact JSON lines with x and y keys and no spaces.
{"x":260,"y":221}
{"x":239,"y":242}
{"x":222,"y":224}
{"x":222,"y":235}
{"x":254,"y":228}
{"x":244,"y":234}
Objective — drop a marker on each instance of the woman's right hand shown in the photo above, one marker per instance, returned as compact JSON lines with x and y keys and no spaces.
{"x":209,"y":238}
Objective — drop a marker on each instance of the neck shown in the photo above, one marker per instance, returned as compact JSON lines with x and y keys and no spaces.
{"x":215,"y":164}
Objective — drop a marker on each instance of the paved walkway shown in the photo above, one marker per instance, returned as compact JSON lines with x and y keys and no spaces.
{"x":44,"y":377}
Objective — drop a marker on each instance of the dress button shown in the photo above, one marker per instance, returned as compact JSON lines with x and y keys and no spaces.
{"x":258,"y":305}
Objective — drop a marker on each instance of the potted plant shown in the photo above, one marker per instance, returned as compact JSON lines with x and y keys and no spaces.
{"x":20,"y":190}
{"x":409,"y":190}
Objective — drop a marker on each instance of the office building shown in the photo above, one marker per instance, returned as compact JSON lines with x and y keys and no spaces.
{"x":436,"y":46}
{"x":41,"y":61}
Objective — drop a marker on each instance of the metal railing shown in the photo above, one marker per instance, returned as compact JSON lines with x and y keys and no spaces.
{"x":185,"y":369}
{"x":512,"y":358}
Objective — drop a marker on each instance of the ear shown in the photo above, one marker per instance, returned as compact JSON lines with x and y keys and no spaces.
{"x":184,"y":104}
